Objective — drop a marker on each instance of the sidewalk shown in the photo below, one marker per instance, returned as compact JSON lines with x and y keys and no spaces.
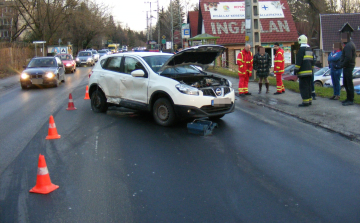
{"x":325,"y":113}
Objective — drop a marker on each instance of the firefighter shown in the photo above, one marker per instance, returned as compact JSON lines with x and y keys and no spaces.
{"x":279,"y":63}
{"x":245,"y":63}
{"x":304,"y":70}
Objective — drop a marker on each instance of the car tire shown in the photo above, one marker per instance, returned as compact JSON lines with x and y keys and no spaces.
{"x":318,"y":84}
{"x":24,"y":87}
{"x":163,"y":112}
{"x":98,"y":102}
{"x":216,"y":117}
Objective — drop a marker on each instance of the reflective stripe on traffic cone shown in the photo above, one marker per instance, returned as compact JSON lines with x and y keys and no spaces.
{"x":43,"y":182}
{"x":87,"y":93}
{"x":52,"y":133}
{"x":71,"y":103}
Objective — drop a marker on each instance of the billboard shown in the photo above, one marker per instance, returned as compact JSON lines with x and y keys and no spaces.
{"x":236,"y":10}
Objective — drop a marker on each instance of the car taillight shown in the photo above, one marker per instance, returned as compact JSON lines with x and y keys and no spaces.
{"x":90,"y":74}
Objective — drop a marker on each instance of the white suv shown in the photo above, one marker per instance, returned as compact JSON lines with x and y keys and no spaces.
{"x":170,"y":86}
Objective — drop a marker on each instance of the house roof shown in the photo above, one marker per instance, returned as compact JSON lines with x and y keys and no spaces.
{"x":332,"y":24}
{"x":232,"y":31}
{"x":193,"y":18}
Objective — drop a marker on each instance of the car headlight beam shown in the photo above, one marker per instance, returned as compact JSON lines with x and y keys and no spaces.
{"x":77,"y":59}
{"x":25,"y":76}
{"x":49,"y":75}
{"x":186,"y":89}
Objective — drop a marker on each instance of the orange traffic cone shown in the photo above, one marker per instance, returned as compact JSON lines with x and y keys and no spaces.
{"x":43,"y":182}
{"x":71,"y":103}
{"x":87,"y":93}
{"x":52,"y":133}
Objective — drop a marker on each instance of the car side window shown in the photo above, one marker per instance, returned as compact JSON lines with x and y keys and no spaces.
{"x":132,"y":64}
{"x":113,"y":64}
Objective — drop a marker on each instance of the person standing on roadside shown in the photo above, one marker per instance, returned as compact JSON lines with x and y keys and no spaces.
{"x":262,"y":64}
{"x":335,"y":69}
{"x":348,"y":63}
{"x":304,"y":70}
{"x":245,"y":66}
{"x":279,"y":64}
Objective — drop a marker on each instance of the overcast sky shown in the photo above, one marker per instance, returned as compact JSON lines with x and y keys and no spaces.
{"x":133,"y":12}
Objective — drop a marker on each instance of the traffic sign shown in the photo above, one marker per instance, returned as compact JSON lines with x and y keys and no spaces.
{"x":247,"y":38}
{"x":163,"y":41}
{"x":163,"y":36}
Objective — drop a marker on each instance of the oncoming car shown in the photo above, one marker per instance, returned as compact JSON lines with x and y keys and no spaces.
{"x":68,"y":61}
{"x":167,"y":85}
{"x":43,"y":71}
{"x":85,"y":58}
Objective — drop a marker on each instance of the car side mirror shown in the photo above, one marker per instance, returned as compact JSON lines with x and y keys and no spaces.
{"x":24,"y":66}
{"x":138,"y":73}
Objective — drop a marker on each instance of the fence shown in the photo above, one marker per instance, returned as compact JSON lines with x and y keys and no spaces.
{"x":13,"y":56}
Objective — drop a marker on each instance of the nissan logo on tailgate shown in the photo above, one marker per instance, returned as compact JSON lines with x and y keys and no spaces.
{"x":218,"y":91}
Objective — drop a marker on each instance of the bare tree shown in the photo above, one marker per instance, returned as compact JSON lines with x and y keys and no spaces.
{"x":44,"y":17}
{"x":349,"y":6}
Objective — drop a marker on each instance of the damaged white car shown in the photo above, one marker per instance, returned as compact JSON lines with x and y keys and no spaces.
{"x":169,"y":86}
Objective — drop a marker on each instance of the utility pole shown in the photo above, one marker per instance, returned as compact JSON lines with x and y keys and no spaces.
{"x":252,"y":26}
{"x":147,"y":26}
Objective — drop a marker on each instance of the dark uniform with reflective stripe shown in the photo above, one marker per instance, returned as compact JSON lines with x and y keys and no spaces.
{"x":304,"y":70}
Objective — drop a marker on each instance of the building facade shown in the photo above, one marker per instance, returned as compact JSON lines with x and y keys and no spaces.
{"x":226,"y":19}
{"x":7,"y":13}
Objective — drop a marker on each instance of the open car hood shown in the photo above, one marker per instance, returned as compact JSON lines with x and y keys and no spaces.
{"x":198,"y":55}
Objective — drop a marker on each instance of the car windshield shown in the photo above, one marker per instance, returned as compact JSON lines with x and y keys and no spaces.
{"x":84,"y":54}
{"x":102,"y":51}
{"x":42,"y":62}
{"x":321,"y":71}
{"x":94,"y":52}
{"x":156,"y":62}
{"x":65,"y":57}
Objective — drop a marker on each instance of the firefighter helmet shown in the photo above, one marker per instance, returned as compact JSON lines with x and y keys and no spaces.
{"x":302,"y":39}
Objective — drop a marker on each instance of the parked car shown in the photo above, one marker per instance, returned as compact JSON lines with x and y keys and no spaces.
{"x":68,"y":61}
{"x":85,"y":58}
{"x":321,"y":76}
{"x":356,"y":79}
{"x":357,"y":89}
{"x":43,"y":71}
{"x":164,"y":84}
{"x":290,"y":76}
{"x":288,"y":69}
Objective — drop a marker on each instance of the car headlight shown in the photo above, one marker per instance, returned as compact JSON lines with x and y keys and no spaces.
{"x":68,"y":64}
{"x":49,"y":75}
{"x":25,"y":76}
{"x":89,"y":59}
{"x":77,"y":59}
{"x":186,"y":89}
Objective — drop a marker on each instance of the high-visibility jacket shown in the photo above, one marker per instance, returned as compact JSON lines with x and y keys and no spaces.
{"x":279,"y":62}
{"x":245,"y":62}
{"x":304,"y":62}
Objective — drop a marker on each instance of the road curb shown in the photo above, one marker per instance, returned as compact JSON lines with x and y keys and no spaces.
{"x":347,"y":135}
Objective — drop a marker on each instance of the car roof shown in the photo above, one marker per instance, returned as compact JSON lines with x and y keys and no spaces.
{"x":144,"y":54}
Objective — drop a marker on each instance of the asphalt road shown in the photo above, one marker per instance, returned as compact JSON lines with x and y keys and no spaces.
{"x":258,"y":166}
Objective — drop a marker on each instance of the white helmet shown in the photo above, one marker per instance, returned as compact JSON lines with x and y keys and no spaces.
{"x":302,"y":39}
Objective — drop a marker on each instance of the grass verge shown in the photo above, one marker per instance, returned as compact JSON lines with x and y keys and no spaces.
{"x":289,"y":85}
